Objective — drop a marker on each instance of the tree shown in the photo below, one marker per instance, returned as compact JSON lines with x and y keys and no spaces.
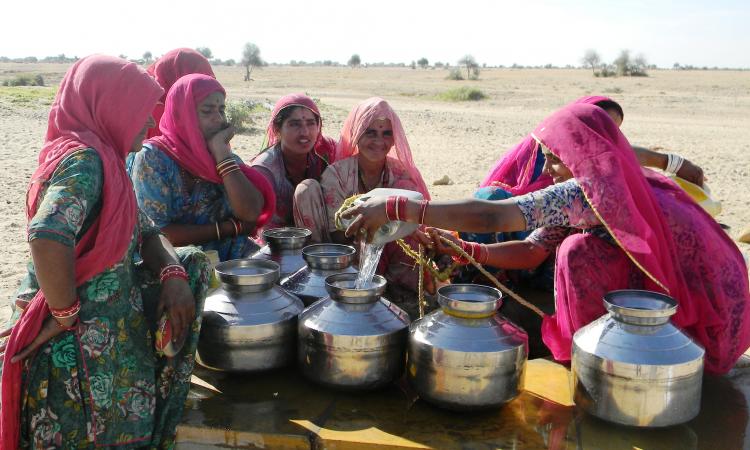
{"x":205,"y":51}
{"x":147,"y":57}
{"x":591,"y":59}
{"x":423,"y":63}
{"x":622,"y":63}
{"x":354,"y":61}
{"x":251,"y":58}
{"x":469,"y":62}
{"x":639,"y":66}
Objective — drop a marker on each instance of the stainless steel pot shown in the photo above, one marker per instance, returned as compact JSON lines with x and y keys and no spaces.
{"x":354,"y":339}
{"x":323,"y":260}
{"x":284,"y":246}
{"x":633,"y":367}
{"x":249,"y":323}
{"x":465,"y":356}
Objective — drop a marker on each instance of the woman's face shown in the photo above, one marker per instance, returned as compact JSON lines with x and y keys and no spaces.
{"x":138,"y":141}
{"x":615,"y":115}
{"x":212,"y":117}
{"x":376,"y":141}
{"x":299,"y":131}
{"x":554,"y":167}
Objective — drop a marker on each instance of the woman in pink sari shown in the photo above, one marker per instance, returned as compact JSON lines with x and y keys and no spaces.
{"x":613,"y":225}
{"x":295,"y":153}
{"x":372,"y":152}
{"x":172,"y":66}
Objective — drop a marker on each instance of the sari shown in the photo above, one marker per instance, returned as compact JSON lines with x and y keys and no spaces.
{"x":171,"y":67}
{"x":659,"y":231}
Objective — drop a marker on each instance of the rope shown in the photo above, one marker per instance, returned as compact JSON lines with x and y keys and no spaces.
{"x":420,"y":285}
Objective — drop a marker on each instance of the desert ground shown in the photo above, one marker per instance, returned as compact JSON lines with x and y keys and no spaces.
{"x":702,"y":115}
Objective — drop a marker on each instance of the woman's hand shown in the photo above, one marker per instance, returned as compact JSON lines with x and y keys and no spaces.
{"x":218,"y":144}
{"x":441,"y":247}
{"x":178,"y":302}
{"x":50,"y":328}
{"x":692,"y":173}
{"x":368,"y":218}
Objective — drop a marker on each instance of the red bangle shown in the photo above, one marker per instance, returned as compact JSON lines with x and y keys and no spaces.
{"x":64,"y":313}
{"x":401,"y":208}
{"x":172,"y":271}
{"x":475,"y":250}
{"x":390,"y":208}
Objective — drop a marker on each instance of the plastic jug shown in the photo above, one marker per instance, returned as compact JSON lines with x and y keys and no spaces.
{"x":390,"y":231}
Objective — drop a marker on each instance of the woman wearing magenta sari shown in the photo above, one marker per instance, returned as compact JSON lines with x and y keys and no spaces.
{"x":613,"y":225}
{"x":172,"y":66}
{"x":295,"y":153}
{"x":80,"y":368}
{"x":190,"y":183}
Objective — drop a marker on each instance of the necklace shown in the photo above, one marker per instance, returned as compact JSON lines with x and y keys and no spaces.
{"x":364,"y":185}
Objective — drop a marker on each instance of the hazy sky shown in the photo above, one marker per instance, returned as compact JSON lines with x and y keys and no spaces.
{"x":530,"y":32}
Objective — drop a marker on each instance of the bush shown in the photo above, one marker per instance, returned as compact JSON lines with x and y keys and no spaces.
{"x":238,"y":114}
{"x":463,"y":94}
{"x":455,"y":75}
{"x":25,"y":80}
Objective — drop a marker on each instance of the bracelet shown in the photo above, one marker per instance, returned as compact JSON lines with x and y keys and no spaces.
{"x":172,"y":271}
{"x":236,"y":226}
{"x":477,"y":251}
{"x":67,"y":312}
{"x":674,"y":163}
{"x":422,"y":210}
{"x":401,"y":208}
{"x":226,"y":172}
{"x":390,"y":208}
{"x":227,"y":166}
{"x":218,"y":231}
{"x":66,"y":327}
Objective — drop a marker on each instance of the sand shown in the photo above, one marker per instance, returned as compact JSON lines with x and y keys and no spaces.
{"x":703,"y":115}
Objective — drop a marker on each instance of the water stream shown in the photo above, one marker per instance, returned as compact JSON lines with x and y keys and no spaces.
{"x":369,"y":255}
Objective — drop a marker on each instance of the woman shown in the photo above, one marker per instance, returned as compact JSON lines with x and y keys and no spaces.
{"x":79,"y":368}
{"x":372,"y":153}
{"x":613,"y":226}
{"x":190,"y":183}
{"x":172,"y":66}
{"x":295,"y":151}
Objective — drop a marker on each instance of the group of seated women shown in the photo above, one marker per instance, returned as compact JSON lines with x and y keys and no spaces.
{"x":106,"y":210}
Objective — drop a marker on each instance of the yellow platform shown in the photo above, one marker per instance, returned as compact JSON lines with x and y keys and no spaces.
{"x":281,"y":410}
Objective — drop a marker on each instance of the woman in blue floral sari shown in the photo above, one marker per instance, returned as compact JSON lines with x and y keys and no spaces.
{"x":80,"y":368}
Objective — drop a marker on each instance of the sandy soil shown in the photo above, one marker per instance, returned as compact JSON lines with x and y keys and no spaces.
{"x":703,"y":115}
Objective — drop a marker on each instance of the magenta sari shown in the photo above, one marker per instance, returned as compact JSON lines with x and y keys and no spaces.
{"x":662,"y":235}
{"x":514,"y":171}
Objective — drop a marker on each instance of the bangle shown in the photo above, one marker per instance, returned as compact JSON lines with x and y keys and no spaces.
{"x":401,"y":208}
{"x":66,"y":327}
{"x":422,"y":210}
{"x":67,"y":312}
{"x":237,"y":226}
{"x":227,"y":166}
{"x":172,"y":271}
{"x":390,"y":208}
{"x":218,"y":231}
{"x":674,"y":163}
{"x":475,"y":250}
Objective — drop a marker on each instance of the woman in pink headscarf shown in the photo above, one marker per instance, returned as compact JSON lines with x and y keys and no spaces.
{"x":295,"y":152}
{"x":190,"y":183}
{"x":172,"y":66}
{"x":372,"y":152}
{"x":80,"y":368}
{"x":613,"y":225}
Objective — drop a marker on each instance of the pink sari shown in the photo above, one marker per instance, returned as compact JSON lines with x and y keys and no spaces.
{"x":356,"y":124}
{"x":662,"y":235}
{"x":171,"y":67}
{"x":515,"y":169}
{"x":324,"y":146}
{"x":103,"y":103}
{"x":183,"y":141}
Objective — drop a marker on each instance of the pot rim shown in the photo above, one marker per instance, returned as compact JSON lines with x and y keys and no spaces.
{"x":268,"y":272}
{"x":467,"y":307}
{"x":340,"y":287}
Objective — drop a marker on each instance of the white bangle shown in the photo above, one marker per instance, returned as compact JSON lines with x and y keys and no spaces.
{"x":674,"y":163}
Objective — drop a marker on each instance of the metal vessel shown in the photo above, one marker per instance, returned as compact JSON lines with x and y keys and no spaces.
{"x":633,"y":367}
{"x":354,"y":339}
{"x":465,"y":356}
{"x":323,"y":260}
{"x":284,"y":246}
{"x":249,"y":323}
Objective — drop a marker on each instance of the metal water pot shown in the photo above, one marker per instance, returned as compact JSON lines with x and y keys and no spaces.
{"x":354,"y":339}
{"x":249,"y":323}
{"x":465,"y":356}
{"x":633,"y":367}
{"x":284,"y":246}
{"x":323,"y":260}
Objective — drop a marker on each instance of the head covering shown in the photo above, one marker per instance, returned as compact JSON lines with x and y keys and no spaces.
{"x":710,"y":285}
{"x":172,"y":66}
{"x":103,"y":103}
{"x":324,"y":147}
{"x":356,"y":124}
{"x":514,"y":171}
{"x":184,"y":142}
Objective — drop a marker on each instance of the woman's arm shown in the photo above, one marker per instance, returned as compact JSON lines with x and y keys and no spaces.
{"x":689,"y":171}
{"x":180,"y":235}
{"x":244,"y":198}
{"x":505,"y":255}
{"x":479,"y":216}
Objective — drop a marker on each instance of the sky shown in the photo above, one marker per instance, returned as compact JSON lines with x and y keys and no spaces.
{"x":530,"y":32}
